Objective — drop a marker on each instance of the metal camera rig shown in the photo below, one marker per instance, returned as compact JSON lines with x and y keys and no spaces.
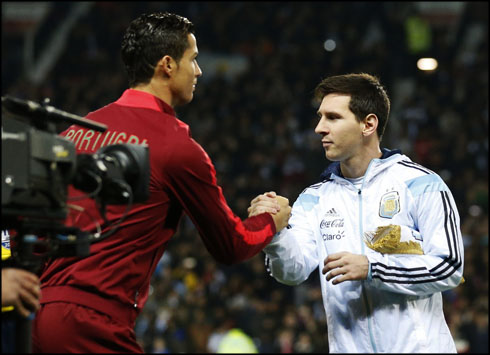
{"x":37,"y":167}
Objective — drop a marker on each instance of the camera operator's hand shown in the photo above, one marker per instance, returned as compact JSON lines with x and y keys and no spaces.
{"x":21,"y":289}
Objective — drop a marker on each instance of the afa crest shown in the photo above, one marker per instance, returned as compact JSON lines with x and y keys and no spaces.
{"x":389,"y":204}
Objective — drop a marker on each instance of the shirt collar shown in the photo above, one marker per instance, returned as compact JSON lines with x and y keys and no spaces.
{"x":141,"y":99}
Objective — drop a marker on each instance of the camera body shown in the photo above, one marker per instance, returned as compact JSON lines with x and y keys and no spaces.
{"x":38,"y":165}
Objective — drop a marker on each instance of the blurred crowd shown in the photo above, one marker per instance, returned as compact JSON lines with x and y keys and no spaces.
{"x":257,"y":126}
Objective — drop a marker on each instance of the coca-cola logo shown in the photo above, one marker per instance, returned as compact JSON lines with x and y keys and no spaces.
{"x":334,"y":223}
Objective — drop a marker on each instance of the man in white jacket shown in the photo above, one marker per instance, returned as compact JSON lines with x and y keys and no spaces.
{"x":384,"y":230}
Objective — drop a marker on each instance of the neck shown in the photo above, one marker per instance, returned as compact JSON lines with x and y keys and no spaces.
{"x":357,"y":165}
{"x":158,"y":88}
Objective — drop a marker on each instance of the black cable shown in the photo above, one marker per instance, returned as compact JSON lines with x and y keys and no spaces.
{"x":123,"y":217}
{"x":92,"y":194}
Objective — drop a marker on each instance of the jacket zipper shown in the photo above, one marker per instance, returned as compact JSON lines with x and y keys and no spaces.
{"x":364,"y":295}
{"x":135,"y":305}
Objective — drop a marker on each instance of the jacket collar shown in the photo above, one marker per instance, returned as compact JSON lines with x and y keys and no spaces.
{"x":141,"y":99}
{"x":334,"y":168}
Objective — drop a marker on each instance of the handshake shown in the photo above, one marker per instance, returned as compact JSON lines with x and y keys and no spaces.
{"x":277,"y":206}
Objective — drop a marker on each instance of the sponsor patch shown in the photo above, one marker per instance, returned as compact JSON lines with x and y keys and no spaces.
{"x":332,"y":225}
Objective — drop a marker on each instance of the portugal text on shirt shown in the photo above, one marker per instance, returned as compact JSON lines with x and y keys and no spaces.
{"x":89,"y":140}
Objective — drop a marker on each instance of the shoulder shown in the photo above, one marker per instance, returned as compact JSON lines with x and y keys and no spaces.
{"x":417,"y":178}
{"x":102,"y":111}
{"x":188,"y":157}
{"x":310,"y":196}
{"x":316,"y":188}
{"x":410,"y":169}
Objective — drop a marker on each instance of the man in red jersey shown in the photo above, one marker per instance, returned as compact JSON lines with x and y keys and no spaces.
{"x":90,"y":304}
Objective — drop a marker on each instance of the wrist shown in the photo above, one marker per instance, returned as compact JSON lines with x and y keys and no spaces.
{"x":369,"y":275}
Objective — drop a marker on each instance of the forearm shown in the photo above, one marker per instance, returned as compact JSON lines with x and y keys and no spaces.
{"x":191,"y":177}
{"x":440,"y":267}
{"x":286,"y":261}
{"x":414,"y":274}
{"x":227,"y":238}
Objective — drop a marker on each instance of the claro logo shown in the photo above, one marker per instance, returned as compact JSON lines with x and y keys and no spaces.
{"x":337,"y":236}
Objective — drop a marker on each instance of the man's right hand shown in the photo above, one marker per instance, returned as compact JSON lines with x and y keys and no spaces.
{"x":281,"y":218}
{"x":277,"y":206}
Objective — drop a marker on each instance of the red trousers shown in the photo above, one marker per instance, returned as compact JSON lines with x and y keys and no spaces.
{"x":61,"y":327}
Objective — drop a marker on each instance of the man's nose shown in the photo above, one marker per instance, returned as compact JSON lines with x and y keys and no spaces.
{"x":321,"y":128}
{"x":199,"y":71}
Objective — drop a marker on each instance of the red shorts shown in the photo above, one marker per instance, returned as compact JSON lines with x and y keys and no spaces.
{"x":61,"y":327}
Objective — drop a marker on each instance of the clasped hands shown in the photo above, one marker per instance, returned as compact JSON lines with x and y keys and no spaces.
{"x":274,"y":204}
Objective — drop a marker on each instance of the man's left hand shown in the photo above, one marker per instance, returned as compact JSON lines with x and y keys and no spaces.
{"x":345,"y":266}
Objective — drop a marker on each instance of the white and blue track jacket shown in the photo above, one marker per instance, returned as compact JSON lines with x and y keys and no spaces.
{"x":398,"y":308}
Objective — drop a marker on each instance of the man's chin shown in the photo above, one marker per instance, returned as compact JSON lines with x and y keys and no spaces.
{"x":184,"y":100}
{"x":332,"y":157}
{"x":189,"y":98}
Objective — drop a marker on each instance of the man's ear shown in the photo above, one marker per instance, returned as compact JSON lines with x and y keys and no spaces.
{"x":166,"y":66}
{"x":370,"y":124}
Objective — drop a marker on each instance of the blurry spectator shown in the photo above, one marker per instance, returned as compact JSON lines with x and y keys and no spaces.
{"x":236,"y":341}
{"x":475,"y":327}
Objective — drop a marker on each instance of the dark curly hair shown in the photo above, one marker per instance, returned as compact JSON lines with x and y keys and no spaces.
{"x":149,"y":38}
{"x":367,"y":96}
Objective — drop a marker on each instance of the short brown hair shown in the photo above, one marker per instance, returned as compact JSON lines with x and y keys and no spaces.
{"x":366,"y":92}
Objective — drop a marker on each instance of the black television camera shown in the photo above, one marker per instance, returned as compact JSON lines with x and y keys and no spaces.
{"x":37,"y":167}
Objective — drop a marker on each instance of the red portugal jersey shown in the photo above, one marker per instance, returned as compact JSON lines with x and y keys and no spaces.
{"x":182,"y":180}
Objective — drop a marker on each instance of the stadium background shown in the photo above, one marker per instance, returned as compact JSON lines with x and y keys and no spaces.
{"x":253,"y":112}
